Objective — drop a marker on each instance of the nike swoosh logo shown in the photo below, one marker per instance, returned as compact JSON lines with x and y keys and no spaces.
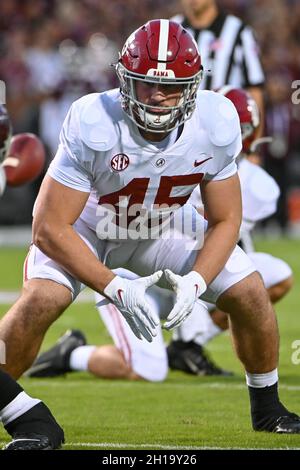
{"x":119,"y":294}
{"x":202,"y":161}
{"x":27,"y":440}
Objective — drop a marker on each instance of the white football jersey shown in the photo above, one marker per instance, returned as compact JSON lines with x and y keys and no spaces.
{"x":101,"y":151}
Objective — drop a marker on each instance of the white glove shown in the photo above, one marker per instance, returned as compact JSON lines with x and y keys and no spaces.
{"x":188,"y":288}
{"x":129,"y":297}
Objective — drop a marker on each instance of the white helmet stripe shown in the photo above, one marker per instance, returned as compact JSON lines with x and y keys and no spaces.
{"x":163,"y":44}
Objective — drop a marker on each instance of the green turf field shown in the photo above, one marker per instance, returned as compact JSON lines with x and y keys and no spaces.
{"x":183,"y":412}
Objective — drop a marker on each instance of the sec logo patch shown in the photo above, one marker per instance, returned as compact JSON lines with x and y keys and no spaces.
{"x":119,"y":162}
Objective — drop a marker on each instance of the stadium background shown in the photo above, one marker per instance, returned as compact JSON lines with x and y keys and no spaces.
{"x":52,"y":52}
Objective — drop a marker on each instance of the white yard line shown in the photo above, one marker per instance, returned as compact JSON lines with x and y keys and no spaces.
{"x":69,"y":383}
{"x":119,"y":445}
{"x":155,"y":446}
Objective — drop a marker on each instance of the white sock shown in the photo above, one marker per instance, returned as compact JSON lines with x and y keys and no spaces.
{"x":17,"y":407}
{"x":80,"y":357}
{"x":262,"y":380}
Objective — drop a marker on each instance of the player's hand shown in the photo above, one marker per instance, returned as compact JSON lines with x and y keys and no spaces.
{"x":188,"y":288}
{"x":129,"y":297}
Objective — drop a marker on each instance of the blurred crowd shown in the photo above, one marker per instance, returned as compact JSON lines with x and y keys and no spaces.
{"x":54,"y":51}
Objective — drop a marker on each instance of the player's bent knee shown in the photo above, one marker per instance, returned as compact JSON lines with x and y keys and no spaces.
{"x":250,"y":291}
{"x":42,"y":294}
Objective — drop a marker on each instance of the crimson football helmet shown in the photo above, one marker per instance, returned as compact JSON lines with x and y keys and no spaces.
{"x":160,"y":51}
{"x":248,"y":113}
{"x":5,"y":132}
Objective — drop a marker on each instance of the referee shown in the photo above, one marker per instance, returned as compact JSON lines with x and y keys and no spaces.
{"x":227,"y":48}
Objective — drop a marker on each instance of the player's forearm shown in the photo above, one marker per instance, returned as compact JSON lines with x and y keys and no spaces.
{"x":219,"y":243}
{"x":63,"y":245}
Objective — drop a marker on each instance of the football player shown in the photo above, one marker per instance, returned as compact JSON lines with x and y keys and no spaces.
{"x":28,"y":420}
{"x":130,"y":358}
{"x":141,"y":151}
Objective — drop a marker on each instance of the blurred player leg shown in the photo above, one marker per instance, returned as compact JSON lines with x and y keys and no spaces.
{"x":140,"y":358}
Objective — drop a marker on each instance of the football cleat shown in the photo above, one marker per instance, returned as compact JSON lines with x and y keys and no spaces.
{"x":288,"y":423}
{"x":191,"y":358}
{"x":30,"y":441}
{"x":36,"y":429}
{"x":55,"y":361}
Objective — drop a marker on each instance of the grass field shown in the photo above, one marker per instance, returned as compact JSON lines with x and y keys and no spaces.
{"x":184,"y":411}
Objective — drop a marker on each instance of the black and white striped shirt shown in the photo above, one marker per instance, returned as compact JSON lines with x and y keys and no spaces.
{"x":228,"y":49}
